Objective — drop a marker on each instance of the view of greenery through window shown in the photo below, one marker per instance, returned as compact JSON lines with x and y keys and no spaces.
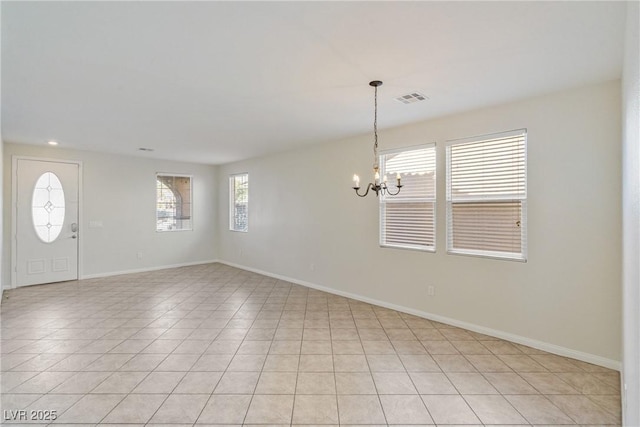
{"x":239,"y":202}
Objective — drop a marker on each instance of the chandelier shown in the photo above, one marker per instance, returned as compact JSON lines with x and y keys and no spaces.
{"x":377,"y":185}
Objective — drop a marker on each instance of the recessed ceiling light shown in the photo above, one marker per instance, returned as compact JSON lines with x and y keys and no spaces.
{"x":52,"y":142}
{"x":145,"y":149}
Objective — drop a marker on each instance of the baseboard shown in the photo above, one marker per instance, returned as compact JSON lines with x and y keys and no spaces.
{"x":145,"y":269}
{"x":540,"y":345}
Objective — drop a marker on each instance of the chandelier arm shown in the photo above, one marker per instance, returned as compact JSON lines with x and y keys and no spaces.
{"x":365,"y":193}
{"x":396,"y":193}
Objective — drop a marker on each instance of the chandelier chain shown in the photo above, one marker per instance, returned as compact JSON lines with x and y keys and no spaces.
{"x":375,"y":128}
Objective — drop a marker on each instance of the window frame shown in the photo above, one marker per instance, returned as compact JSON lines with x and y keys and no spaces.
{"x":176,"y":175}
{"x":232,"y":205}
{"x":383,"y":200}
{"x":521,"y":256}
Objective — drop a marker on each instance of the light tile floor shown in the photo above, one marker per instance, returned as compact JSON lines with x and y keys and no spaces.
{"x":212,"y":344}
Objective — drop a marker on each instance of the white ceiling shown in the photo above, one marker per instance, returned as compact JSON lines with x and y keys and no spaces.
{"x":215,"y":82}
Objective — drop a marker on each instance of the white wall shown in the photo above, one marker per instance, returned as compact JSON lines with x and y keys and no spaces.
{"x":631,"y":219}
{"x":306,"y":224}
{"x":3,"y":254}
{"x":120,"y":192}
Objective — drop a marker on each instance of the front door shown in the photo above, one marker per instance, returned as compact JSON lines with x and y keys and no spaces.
{"x":46,"y":210}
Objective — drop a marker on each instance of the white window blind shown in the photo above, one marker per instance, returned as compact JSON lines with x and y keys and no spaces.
{"x":408,"y":219}
{"x":487,"y":195}
{"x":239,"y":202}
{"x":173,"y":202}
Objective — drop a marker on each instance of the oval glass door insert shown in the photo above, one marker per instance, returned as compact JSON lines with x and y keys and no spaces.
{"x":47,"y":207}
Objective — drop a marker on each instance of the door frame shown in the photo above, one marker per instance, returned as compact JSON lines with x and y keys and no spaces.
{"x":14,"y":210}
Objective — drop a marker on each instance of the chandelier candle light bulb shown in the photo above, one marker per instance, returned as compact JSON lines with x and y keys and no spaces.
{"x":376,"y":186}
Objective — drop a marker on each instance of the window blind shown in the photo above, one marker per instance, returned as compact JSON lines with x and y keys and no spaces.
{"x":408,"y":219}
{"x":486,"y":195}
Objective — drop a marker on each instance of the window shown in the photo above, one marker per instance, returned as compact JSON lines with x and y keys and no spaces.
{"x":487,"y":196}
{"x":173,"y":202}
{"x":48,"y":207}
{"x":408,"y":219}
{"x":239,"y":202}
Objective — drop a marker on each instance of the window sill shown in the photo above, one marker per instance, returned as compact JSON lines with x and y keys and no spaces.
{"x":495,"y":255}
{"x":408,"y":248}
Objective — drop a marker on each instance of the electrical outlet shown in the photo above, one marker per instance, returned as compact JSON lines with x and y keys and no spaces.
{"x":312,"y":267}
{"x":240,"y":252}
{"x":431,"y":290}
{"x":139,"y":255}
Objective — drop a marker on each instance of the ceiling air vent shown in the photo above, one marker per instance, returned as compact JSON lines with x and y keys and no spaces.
{"x":412,"y":97}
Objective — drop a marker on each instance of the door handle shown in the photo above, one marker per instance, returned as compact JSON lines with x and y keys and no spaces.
{"x":73,"y":236}
{"x":74,"y":227}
